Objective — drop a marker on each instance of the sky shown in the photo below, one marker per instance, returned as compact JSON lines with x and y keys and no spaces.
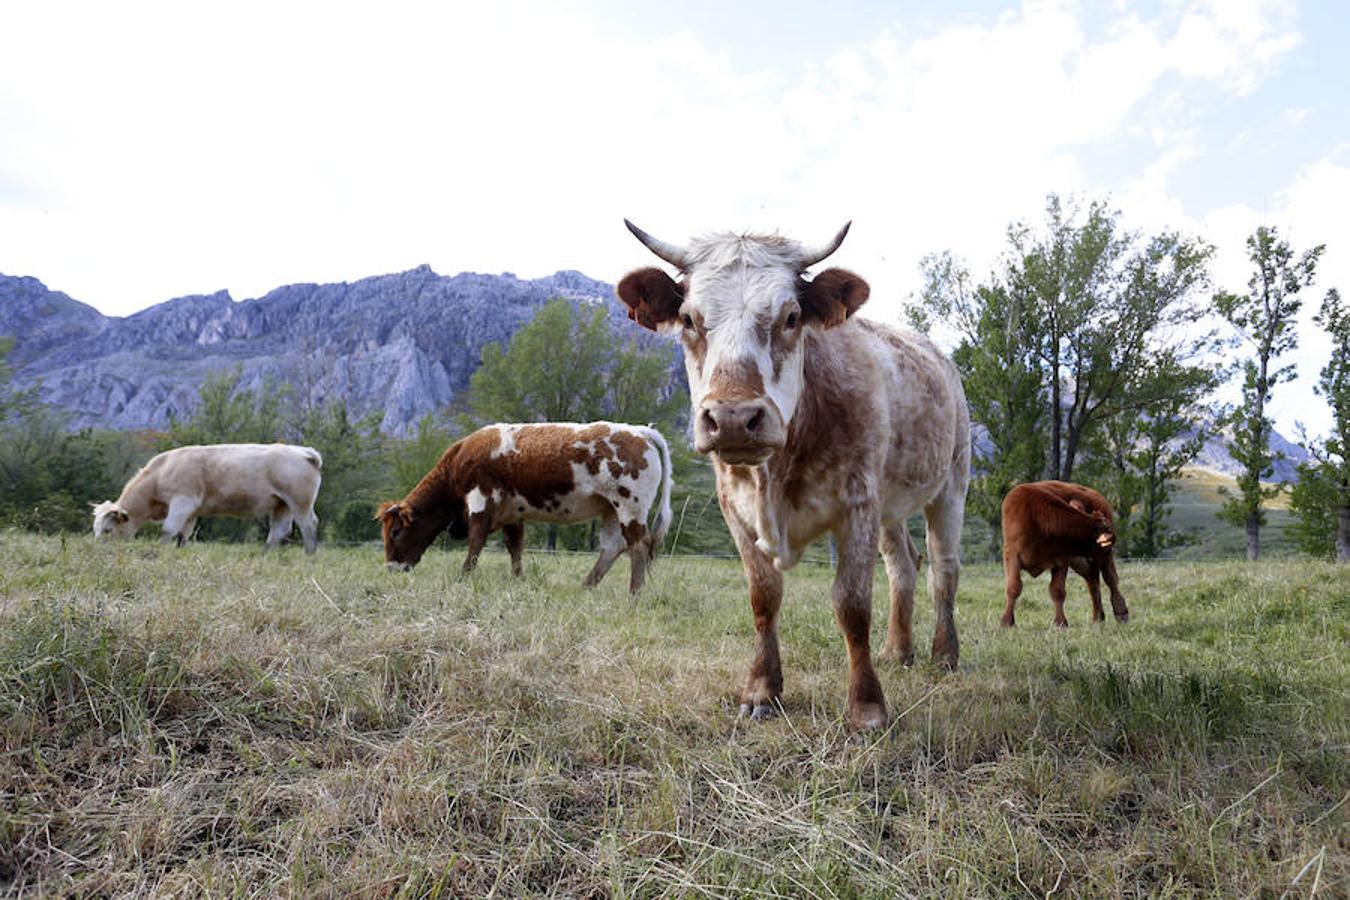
{"x":148,"y":151}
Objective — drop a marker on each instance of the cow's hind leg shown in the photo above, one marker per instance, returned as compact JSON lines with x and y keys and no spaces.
{"x":513,"y":536}
{"x":611,"y":545}
{"x":763,"y":691}
{"x":1118,"y":607}
{"x":1091,"y":574}
{"x":944,"y":518}
{"x":1012,"y":586}
{"x":639,"y":543}
{"x":902,"y":571}
{"x":309,"y":530}
{"x":280,"y":526}
{"x":1058,"y":575}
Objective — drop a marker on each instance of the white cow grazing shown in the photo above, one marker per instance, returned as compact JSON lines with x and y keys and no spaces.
{"x":244,"y":480}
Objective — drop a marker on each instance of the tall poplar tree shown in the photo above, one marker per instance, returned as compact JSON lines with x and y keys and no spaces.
{"x":1265,"y":318}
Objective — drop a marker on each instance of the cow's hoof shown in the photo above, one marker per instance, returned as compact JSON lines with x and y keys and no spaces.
{"x":1061,"y":623}
{"x":1007,"y":622}
{"x":759,"y":712}
{"x":1122,"y":618}
{"x":895,"y":654}
{"x":867,"y":716}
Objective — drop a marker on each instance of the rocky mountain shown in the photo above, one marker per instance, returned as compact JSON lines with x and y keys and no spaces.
{"x":402,"y":344}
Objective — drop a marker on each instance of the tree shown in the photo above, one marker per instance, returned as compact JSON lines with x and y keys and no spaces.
{"x":1106,"y":305}
{"x":229,"y":414}
{"x":1265,"y":317}
{"x":552,"y":370}
{"x":353,"y":453}
{"x":1138,"y":455}
{"x":1002,"y":378}
{"x":1085,"y":333}
{"x":1321,"y":499}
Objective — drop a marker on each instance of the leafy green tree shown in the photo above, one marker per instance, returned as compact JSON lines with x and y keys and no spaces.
{"x":227,"y":414}
{"x":1002,"y":378}
{"x":1266,"y":318}
{"x":552,"y":370}
{"x":1085,"y":334}
{"x":1107,"y":305}
{"x":1321,"y":498}
{"x":411,"y":459}
{"x":1137,"y":455}
{"x":353,"y":453}
{"x":49,"y":475}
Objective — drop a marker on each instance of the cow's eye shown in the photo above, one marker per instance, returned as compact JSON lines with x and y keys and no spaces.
{"x":689,"y":321}
{"x":791,"y":321}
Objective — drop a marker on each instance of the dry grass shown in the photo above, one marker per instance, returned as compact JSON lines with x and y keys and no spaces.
{"x":219,"y":721}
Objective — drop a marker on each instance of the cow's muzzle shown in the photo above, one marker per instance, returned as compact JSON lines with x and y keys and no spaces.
{"x":740,"y":432}
{"x":398,"y":566}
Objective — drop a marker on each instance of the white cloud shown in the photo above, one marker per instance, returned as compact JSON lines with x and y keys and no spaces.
{"x":150,"y":151}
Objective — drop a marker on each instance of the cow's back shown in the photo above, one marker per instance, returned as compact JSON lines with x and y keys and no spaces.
{"x":238,"y":476}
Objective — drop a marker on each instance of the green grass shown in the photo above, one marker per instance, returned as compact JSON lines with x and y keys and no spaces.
{"x":221,"y":721}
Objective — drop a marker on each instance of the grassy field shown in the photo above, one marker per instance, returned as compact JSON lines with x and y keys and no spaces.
{"x":219,"y":721}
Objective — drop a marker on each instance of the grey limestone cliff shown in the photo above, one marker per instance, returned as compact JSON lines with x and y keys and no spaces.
{"x":401,"y":344}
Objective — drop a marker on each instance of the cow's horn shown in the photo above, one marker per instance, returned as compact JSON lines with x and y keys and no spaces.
{"x":813,"y":255}
{"x":675,"y":255}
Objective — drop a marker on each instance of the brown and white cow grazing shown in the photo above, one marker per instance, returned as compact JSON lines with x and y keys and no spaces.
{"x":178,"y":486}
{"x":817,"y":422}
{"x":502,"y":475}
{"x":1058,"y":525}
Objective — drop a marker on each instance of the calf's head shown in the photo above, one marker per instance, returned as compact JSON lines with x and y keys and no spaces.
{"x":742,"y":309}
{"x":109,"y":518}
{"x":408,"y":532}
{"x":1106,"y":530}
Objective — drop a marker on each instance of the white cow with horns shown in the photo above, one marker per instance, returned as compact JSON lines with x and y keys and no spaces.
{"x":176,"y":487}
{"x":817,"y":421}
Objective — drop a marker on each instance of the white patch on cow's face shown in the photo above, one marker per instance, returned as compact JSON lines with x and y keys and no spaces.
{"x":741,"y":316}
{"x":476,"y":501}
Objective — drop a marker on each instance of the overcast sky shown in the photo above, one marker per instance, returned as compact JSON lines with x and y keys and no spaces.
{"x":150,"y":151}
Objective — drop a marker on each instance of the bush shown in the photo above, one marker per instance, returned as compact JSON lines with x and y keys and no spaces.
{"x":357,"y":522}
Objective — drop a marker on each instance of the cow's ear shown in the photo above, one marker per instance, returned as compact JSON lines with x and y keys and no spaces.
{"x":122,"y":516}
{"x":652,"y":297}
{"x":831,"y":297}
{"x":387,"y":510}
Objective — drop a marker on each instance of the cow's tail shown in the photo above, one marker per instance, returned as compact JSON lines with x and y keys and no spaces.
{"x":664,"y":515}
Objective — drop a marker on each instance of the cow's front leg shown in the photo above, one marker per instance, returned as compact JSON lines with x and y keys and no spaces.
{"x":764,"y":688}
{"x":478,"y":535}
{"x":513,"y":535}
{"x":852,"y":598}
{"x":181,"y":516}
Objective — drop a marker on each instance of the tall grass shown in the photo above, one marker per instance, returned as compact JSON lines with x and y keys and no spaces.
{"x":218,"y":720}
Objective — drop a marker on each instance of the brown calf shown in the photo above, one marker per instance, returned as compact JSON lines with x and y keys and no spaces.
{"x":1059,"y":526}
